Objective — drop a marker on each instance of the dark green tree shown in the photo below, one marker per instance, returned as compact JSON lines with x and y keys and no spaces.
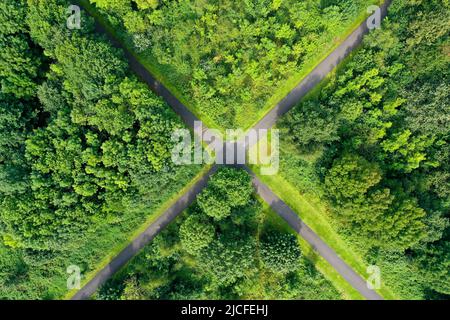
{"x":280,"y":252}
{"x":228,"y":189}
{"x":228,"y":259}
{"x":196,"y":233}
{"x":20,"y":59}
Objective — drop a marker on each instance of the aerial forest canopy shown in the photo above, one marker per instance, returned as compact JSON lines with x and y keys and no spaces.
{"x":228,"y":58}
{"x":85,"y":148}
{"x":248,"y":253}
{"x":382,"y":125}
{"x":82,"y":141}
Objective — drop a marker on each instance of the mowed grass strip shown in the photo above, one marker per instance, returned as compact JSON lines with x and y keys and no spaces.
{"x":347,"y":291}
{"x":314,"y":213}
{"x":151,"y":218}
{"x":246,"y":118}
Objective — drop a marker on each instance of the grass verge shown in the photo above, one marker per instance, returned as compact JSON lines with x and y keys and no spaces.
{"x":156,"y":70}
{"x":314,"y":213}
{"x":155,"y":215}
{"x":297,"y":78}
{"x":347,"y":291}
{"x":160,"y":72}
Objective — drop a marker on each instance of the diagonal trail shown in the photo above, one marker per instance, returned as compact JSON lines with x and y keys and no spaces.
{"x":267,"y":122}
{"x":144,"y":238}
{"x":282,"y":209}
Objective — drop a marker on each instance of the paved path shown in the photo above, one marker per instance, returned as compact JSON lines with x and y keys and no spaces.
{"x":313,"y":239}
{"x":144,"y":238}
{"x":317,"y":75}
{"x":186,"y":115}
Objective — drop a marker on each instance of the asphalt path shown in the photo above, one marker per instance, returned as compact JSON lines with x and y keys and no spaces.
{"x":267,"y":122}
{"x":144,"y":238}
{"x":318,"y":73}
{"x":313,"y":239}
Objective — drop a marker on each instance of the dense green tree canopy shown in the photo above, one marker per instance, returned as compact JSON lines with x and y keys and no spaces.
{"x":85,"y":147}
{"x":382,"y":124}
{"x":351,"y":176}
{"x":228,"y":189}
{"x":228,"y":58}
{"x":89,"y":142}
{"x":196,"y":233}
{"x":229,"y":259}
{"x":280,"y":251}
{"x":20,"y":59}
